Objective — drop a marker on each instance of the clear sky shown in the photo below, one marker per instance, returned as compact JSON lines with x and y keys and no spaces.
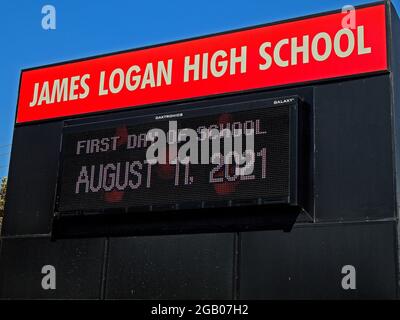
{"x":91,"y":27}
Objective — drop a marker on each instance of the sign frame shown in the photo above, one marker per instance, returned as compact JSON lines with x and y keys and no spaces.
{"x":224,"y":94}
{"x":297,"y":114}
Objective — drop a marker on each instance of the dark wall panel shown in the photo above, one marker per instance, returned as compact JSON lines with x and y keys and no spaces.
{"x":353,"y":150}
{"x":171,"y":267}
{"x":78,"y":265}
{"x":32,"y":179}
{"x":307,"y":262}
{"x":395,"y":66}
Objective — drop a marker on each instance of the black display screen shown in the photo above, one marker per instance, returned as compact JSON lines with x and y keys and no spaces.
{"x":104,"y":166}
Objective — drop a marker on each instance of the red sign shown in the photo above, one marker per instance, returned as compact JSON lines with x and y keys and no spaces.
{"x":305,"y":50}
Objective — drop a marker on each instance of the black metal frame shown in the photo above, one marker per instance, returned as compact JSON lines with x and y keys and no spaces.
{"x":294,"y":202}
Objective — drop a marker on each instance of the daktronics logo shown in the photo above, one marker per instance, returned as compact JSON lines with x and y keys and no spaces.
{"x":299,"y":51}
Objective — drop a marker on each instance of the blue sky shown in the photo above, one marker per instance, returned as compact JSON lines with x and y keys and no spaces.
{"x":91,"y":27}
